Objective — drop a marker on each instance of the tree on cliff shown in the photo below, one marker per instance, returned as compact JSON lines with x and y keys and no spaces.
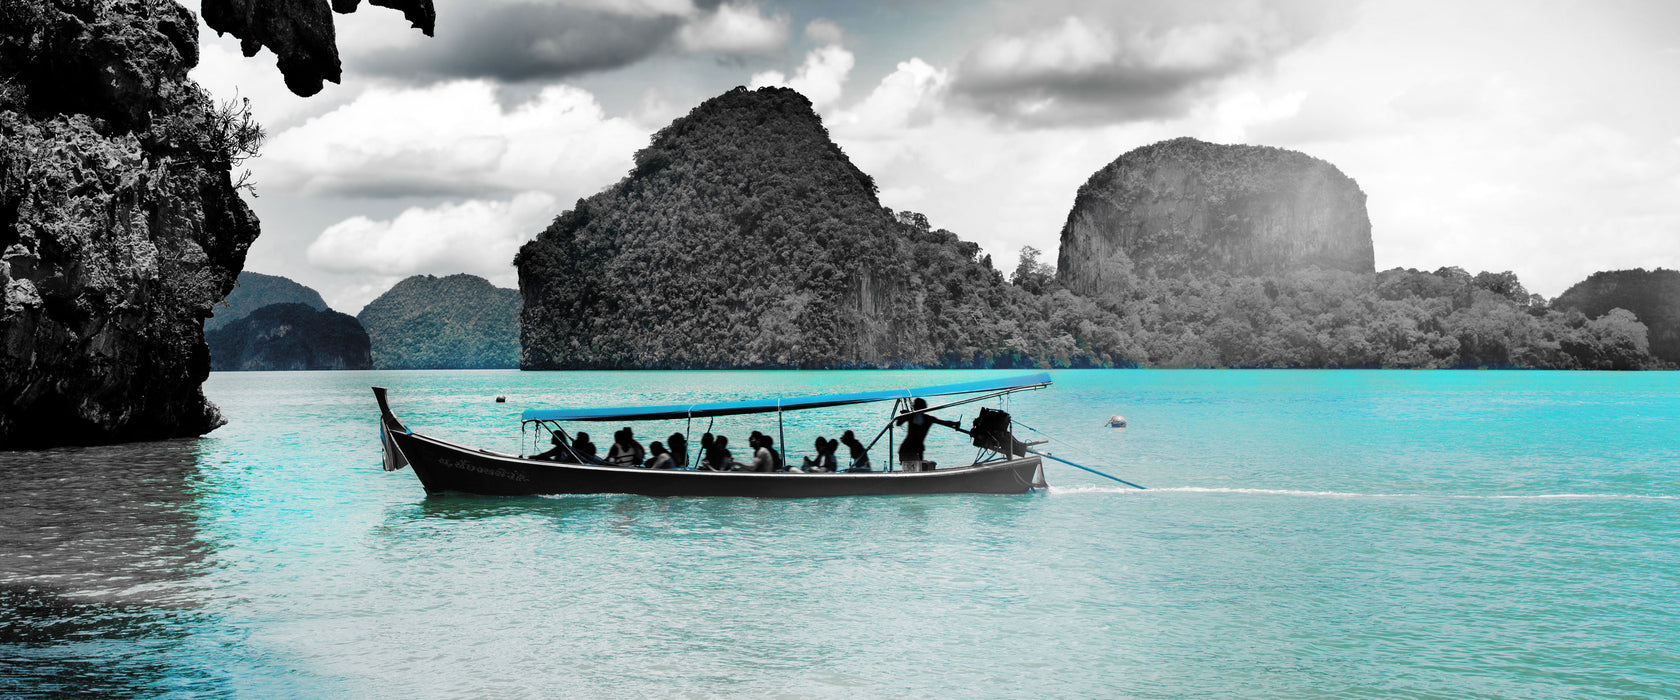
{"x":1030,"y":274}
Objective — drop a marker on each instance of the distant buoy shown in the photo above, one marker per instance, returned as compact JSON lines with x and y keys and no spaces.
{"x":1116,"y":421}
{"x":501,"y":399}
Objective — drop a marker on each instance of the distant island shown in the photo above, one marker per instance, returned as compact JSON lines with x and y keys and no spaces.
{"x":423,"y":322}
{"x":289,"y":336}
{"x":745,"y":238}
{"x":256,"y":290}
{"x":453,"y":322}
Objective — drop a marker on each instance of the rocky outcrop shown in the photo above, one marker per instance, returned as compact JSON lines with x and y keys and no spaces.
{"x":744,"y":237}
{"x":1184,"y":206}
{"x":1652,"y":295}
{"x":300,"y":32}
{"x":290,"y":337}
{"x":119,"y":226}
{"x":256,"y":290}
{"x":454,"y":322}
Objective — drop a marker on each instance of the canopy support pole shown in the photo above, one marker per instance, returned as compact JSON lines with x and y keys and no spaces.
{"x":781,"y":434}
{"x":891,"y":419}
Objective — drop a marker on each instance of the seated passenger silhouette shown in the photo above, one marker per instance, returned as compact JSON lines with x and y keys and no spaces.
{"x":556,"y":453}
{"x":661,"y":459}
{"x":678,"y":445}
{"x":583,"y":448}
{"x":860,"y":454}
{"x":625,"y":451}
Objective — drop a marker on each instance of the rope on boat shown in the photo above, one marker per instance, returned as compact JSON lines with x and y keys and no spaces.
{"x":1072,"y":463}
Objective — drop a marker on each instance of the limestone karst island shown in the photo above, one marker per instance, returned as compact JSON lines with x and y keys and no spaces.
{"x":839,"y":349}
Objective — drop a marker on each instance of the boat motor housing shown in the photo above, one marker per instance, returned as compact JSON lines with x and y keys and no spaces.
{"x":992,"y":431}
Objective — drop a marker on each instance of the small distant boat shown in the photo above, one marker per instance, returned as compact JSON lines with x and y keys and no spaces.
{"x":1116,"y":421}
{"x":1002,"y":465}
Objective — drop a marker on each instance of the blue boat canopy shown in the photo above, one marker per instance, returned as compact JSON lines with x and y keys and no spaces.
{"x":735,"y":408}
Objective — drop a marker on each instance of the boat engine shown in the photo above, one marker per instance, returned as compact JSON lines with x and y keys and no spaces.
{"x":991,"y":431}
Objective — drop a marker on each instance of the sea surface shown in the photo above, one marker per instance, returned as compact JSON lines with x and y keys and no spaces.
{"x":1303,"y":534}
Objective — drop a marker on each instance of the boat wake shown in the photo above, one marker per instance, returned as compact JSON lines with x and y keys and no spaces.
{"x":1082,"y":490}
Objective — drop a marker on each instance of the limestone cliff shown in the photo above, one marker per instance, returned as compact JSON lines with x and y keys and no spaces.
{"x":300,"y":33}
{"x":1186,"y":206}
{"x":119,"y":226}
{"x":744,"y":237}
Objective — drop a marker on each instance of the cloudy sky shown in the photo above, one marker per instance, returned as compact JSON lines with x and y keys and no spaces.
{"x":1540,"y":136}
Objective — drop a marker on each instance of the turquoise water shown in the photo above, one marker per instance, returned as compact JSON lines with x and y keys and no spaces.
{"x":1494,"y":534}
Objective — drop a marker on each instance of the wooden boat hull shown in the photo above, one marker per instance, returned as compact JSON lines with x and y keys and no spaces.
{"x":443,"y":466}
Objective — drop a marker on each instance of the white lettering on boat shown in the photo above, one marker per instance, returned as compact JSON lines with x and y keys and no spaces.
{"x":463,"y":465}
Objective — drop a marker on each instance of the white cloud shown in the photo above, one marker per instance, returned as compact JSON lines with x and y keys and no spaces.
{"x":475,"y":236}
{"x":824,"y":31}
{"x":454,"y":139}
{"x":911,"y":94}
{"x":820,"y":78}
{"x":1074,"y":46}
{"x":734,"y":29}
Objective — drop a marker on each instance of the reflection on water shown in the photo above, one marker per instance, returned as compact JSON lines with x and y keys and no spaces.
{"x":99,"y":553}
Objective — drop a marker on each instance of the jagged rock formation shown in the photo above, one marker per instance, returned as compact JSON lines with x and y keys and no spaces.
{"x":744,"y":237}
{"x":256,"y":290}
{"x":454,"y":322}
{"x":1653,"y":296}
{"x":1185,"y":206}
{"x":300,"y":32}
{"x":290,"y":337}
{"x":119,"y":226}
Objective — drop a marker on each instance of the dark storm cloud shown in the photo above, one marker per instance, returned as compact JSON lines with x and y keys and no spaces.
{"x":1083,"y":62}
{"x":521,"y":42}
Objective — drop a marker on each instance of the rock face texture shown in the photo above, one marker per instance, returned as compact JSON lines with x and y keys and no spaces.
{"x":119,"y":226}
{"x":300,"y":33}
{"x":256,"y":290}
{"x":744,"y":237}
{"x":1652,"y":295}
{"x":454,"y":322}
{"x":290,"y":337}
{"x":1185,"y":206}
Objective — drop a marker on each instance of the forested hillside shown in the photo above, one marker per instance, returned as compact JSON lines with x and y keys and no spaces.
{"x":256,"y":290}
{"x":1653,"y":296}
{"x":454,"y":322}
{"x":744,"y":237}
{"x":289,"y":337}
{"x":1396,"y":318}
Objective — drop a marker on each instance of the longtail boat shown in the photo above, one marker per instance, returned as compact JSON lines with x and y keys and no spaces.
{"x":1002,"y":464}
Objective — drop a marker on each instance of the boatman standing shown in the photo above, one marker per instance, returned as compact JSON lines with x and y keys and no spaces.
{"x":916,"y":422}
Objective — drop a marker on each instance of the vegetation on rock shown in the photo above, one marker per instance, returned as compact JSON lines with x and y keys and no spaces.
{"x":119,"y":224}
{"x":256,"y":290}
{"x":745,"y":238}
{"x":454,"y":322}
{"x":290,"y":336}
{"x":1652,"y":296}
{"x":1396,"y":318}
